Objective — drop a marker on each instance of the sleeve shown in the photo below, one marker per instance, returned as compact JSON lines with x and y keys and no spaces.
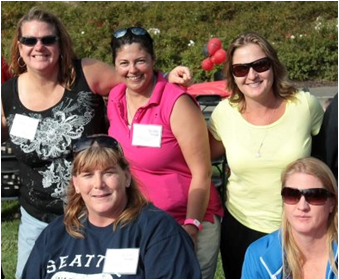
{"x":316,"y":112}
{"x":172,"y":257}
{"x":251,"y":265}
{"x":213,"y":125}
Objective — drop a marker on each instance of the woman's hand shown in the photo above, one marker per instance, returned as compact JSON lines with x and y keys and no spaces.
{"x":180,"y":75}
{"x":193,"y":233}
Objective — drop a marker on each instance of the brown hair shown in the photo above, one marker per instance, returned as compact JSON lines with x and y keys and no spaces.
{"x":281,"y":87}
{"x":67,"y":72}
{"x":88,"y":159}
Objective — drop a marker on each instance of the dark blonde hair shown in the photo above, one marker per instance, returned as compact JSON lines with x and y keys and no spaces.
{"x":89,"y":159}
{"x":294,"y":259}
{"x":281,"y":87}
{"x":67,"y":74}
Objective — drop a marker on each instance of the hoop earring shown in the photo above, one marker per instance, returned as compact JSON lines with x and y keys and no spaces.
{"x":20,"y":65}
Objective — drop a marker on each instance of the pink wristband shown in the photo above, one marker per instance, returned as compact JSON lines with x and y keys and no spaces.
{"x":193,"y":222}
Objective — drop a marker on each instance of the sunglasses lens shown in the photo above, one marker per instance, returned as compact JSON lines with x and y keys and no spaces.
{"x":138,"y":31}
{"x":120,"y":33}
{"x":28,"y":41}
{"x":49,"y":40}
{"x":316,"y":196}
{"x":241,"y":70}
{"x":261,"y":66}
{"x":31,"y":41}
{"x":290,"y":196}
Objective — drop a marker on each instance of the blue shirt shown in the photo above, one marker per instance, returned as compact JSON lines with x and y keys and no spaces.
{"x":166,"y":250}
{"x":263,"y":259}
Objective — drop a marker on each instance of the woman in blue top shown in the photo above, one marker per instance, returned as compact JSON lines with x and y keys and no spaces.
{"x":306,"y":246}
{"x":109,"y":229}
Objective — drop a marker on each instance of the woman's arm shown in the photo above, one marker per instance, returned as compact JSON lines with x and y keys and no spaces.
{"x":101,"y":77}
{"x":217,"y":147}
{"x":189,"y":127}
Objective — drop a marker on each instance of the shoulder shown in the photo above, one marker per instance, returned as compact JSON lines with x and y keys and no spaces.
{"x":9,"y":94}
{"x":168,"y":92}
{"x":265,"y":243}
{"x":154,"y":216}
{"x":53,"y":233}
{"x":306,"y":97}
{"x":225,"y":112}
{"x":158,"y":222}
{"x":263,"y":258}
{"x":224,"y":106}
{"x":306,"y":100}
{"x":117,"y":92}
{"x":8,"y":86}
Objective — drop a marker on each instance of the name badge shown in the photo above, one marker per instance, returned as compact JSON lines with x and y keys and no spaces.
{"x":24,"y":127}
{"x":147,"y":135}
{"x":121,"y":261}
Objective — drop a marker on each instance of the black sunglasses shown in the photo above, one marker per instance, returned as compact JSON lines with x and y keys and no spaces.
{"x":138,"y":31}
{"x":102,"y":141}
{"x":316,"y":196}
{"x":260,"y":65}
{"x":46,"y":40}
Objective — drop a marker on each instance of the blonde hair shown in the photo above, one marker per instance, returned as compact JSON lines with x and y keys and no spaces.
{"x":281,"y":87}
{"x":67,"y":73}
{"x":89,"y":159}
{"x":293,"y":257}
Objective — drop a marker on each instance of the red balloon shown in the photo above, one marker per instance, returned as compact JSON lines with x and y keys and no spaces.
{"x":219,"y":56}
{"x":207,"y":64}
{"x":213,"y":45}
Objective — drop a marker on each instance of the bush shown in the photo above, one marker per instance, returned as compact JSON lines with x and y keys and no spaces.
{"x":304,"y":33}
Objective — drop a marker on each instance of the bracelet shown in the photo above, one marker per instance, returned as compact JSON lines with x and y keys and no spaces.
{"x":193,"y":222}
{"x":165,"y":75}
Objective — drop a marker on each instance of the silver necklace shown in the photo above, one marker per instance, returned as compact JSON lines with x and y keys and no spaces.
{"x":258,"y":154}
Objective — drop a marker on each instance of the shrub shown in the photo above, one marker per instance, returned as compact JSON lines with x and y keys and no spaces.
{"x":304,"y":33}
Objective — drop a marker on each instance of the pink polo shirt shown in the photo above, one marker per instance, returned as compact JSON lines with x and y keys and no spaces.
{"x":162,"y":173}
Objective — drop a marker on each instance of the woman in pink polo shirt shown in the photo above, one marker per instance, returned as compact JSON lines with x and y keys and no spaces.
{"x":165,"y":140}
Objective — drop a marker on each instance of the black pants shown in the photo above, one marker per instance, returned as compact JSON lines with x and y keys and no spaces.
{"x":235,"y":238}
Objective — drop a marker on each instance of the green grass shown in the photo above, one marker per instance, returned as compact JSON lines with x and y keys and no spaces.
{"x":9,"y":237}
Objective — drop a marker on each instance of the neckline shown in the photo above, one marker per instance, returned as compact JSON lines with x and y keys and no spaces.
{"x":265,"y":126}
{"x":127,"y":100}
{"x":16,"y":90}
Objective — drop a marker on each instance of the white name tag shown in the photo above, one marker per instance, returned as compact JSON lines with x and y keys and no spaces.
{"x":121,"y":261}
{"x":147,"y":135}
{"x":24,"y":127}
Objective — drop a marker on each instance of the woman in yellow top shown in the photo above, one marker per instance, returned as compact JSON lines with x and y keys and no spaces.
{"x":265,"y":124}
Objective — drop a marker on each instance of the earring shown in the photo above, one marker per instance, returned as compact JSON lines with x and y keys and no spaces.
{"x":20,"y":65}
{"x":128,"y":183}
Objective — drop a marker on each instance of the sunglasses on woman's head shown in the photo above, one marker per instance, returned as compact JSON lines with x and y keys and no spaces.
{"x":138,"y":31}
{"x":102,"y":141}
{"x":315,"y":196}
{"x":32,"y":41}
{"x":260,"y":65}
